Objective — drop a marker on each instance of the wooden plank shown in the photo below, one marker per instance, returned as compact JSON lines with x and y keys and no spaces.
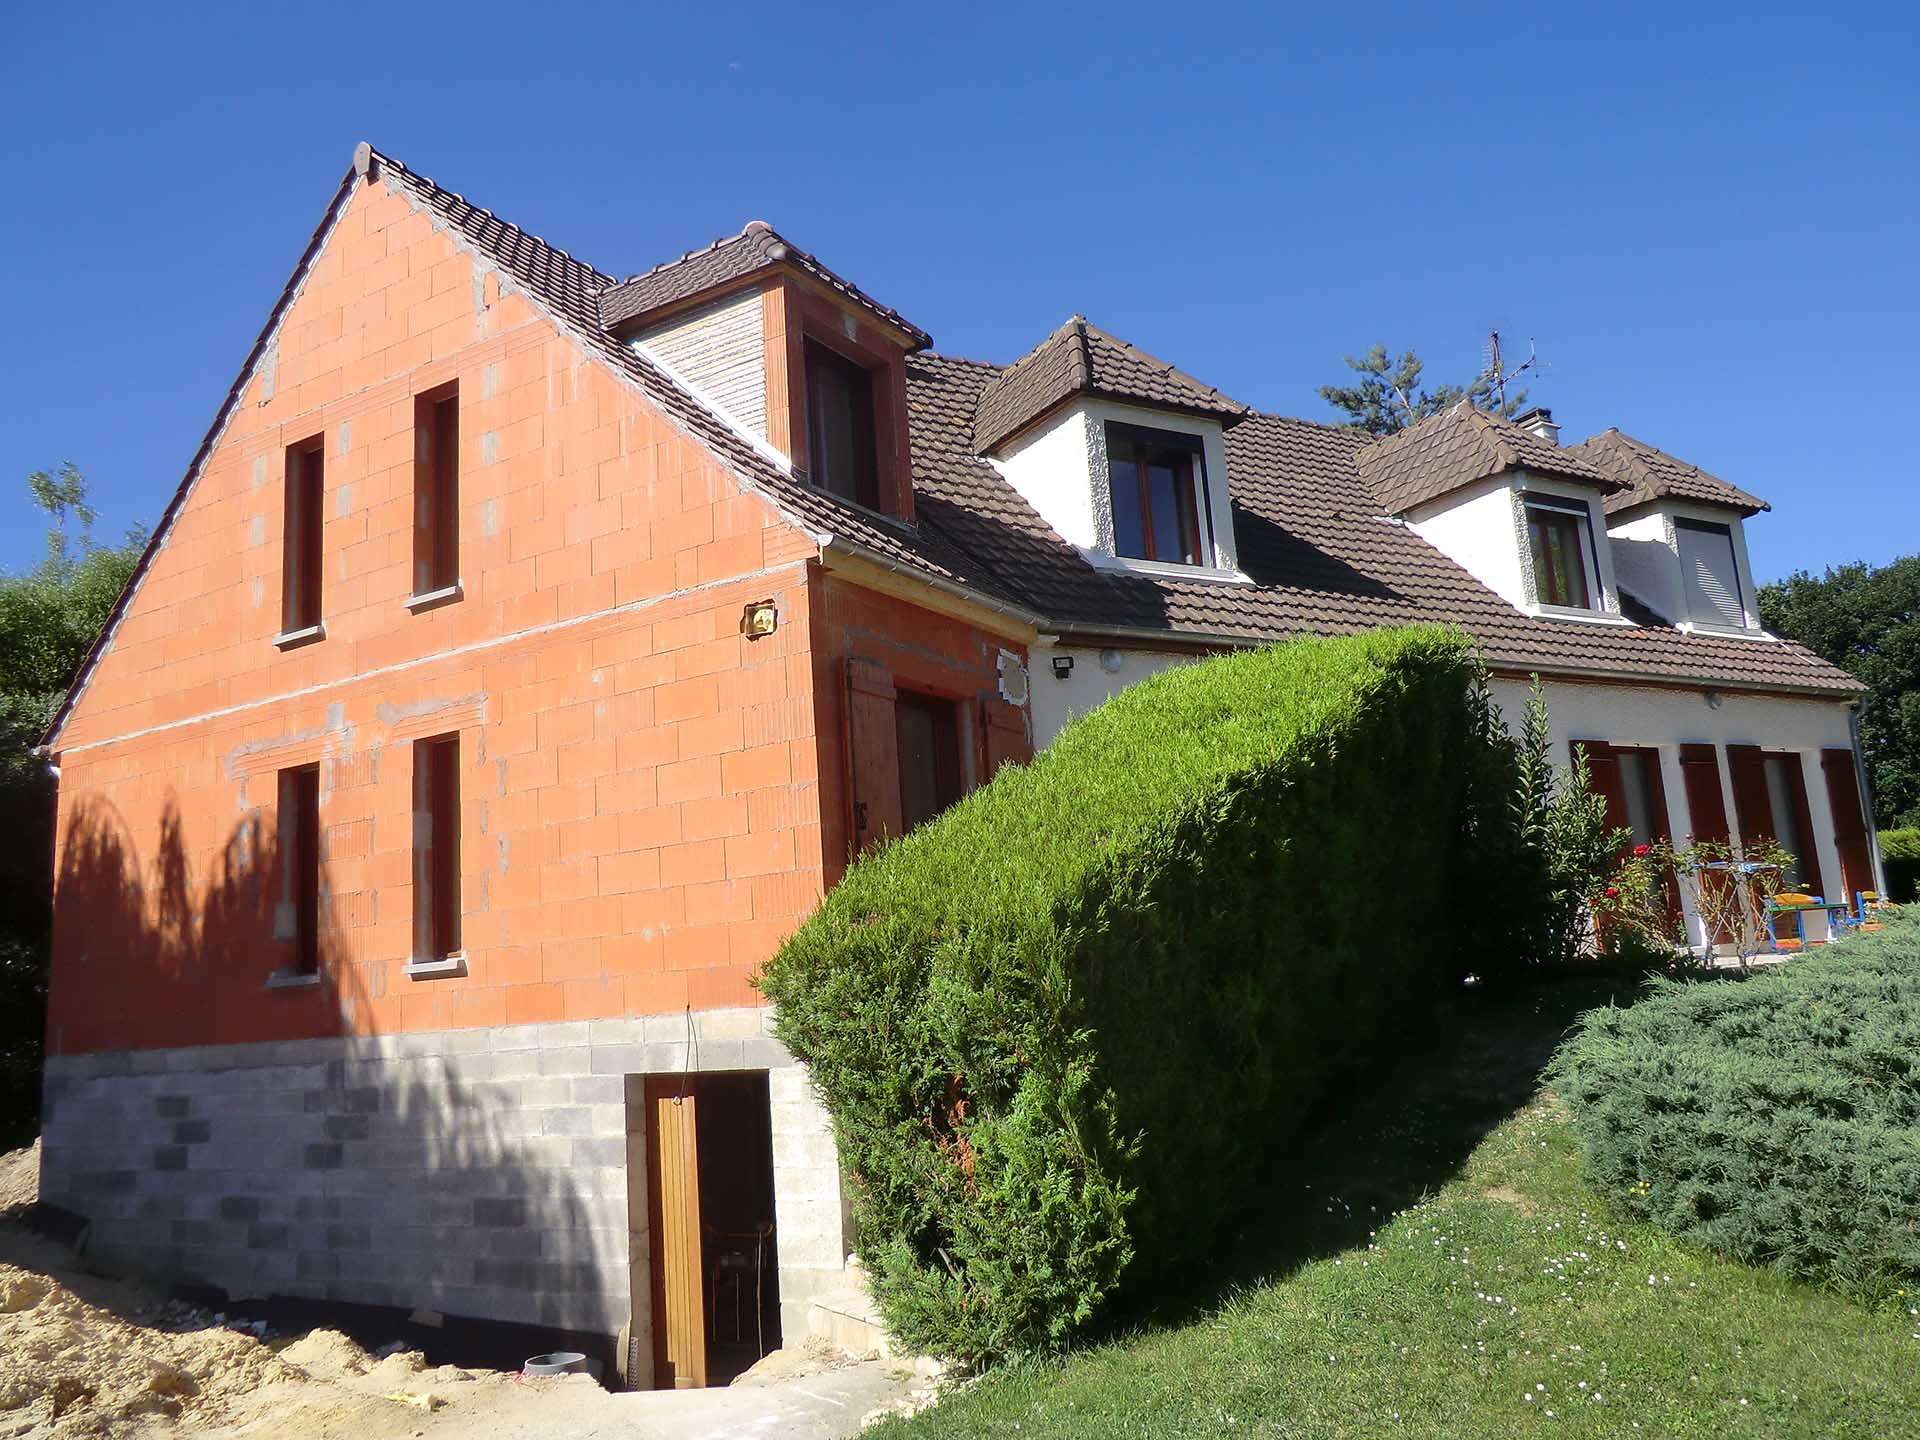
{"x":673,"y":1204}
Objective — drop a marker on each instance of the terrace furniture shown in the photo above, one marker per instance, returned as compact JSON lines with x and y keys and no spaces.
{"x":733,"y":1257}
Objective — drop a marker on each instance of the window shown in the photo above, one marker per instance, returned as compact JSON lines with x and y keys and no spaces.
{"x":1560,"y":537}
{"x":928,"y":731}
{"x":1709,"y":576}
{"x":436,"y":491}
{"x":1786,"y":798}
{"x":301,"y":555}
{"x":1639,"y":777}
{"x":299,"y":920}
{"x":842,"y":445}
{"x":1155,"y":479}
{"x":436,"y":848}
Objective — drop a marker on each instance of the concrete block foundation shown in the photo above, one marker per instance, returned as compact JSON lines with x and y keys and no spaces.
{"x":485,"y":1173}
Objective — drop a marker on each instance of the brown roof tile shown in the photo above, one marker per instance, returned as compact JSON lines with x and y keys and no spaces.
{"x":1456,"y":448}
{"x":758,"y":247}
{"x":1079,"y":358}
{"x":1651,"y":474}
{"x":1323,"y":559}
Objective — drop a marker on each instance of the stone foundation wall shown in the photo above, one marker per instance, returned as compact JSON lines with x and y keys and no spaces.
{"x":477,"y":1172}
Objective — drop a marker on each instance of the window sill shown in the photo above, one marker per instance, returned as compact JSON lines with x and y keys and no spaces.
{"x":293,"y":980}
{"x":1580,"y":617}
{"x":433,"y":599}
{"x":1164,"y":569}
{"x":305,"y":635}
{"x":1725,"y":632}
{"x":454,"y":964}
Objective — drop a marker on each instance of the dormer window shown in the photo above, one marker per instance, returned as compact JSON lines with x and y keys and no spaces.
{"x":1709,"y":574}
{"x":842,"y":448}
{"x":1157,"y":479}
{"x":1560,"y":536}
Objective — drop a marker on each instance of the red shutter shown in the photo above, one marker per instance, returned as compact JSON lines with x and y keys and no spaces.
{"x":1706,"y":810}
{"x":1849,"y":822}
{"x":873,"y":754}
{"x":1752,"y":807}
{"x":1603,"y":772}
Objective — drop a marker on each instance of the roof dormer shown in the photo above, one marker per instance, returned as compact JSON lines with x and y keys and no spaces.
{"x":1524,"y":516}
{"x":800,"y":362}
{"x":1678,"y":536}
{"x":1123,"y":455}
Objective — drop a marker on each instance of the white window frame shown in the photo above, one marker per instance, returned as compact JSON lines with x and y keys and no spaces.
{"x":1599,"y":591}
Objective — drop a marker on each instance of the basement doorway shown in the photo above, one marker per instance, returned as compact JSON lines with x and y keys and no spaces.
{"x":715,"y":1274}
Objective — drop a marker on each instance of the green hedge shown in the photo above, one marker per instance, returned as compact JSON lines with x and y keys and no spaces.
{"x":1900,"y":858}
{"x":1775,"y":1119}
{"x":1061,"y":1027}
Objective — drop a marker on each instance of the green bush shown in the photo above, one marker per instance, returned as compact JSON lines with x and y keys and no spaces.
{"x":1775,"y":1119}
{"x":1900,"y":858}
{"x":1064,"y":1028}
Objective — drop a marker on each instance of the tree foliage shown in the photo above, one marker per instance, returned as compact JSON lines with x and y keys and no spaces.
{"x":49,"y":617}
{"x":1866,"y":620}
{"x":1389,"y":395}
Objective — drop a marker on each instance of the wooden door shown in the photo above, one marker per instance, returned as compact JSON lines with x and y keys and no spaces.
{"x":673,"y":1211}
{"x":1849,"y":823}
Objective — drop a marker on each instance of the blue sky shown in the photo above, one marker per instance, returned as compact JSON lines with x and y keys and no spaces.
{"x":1705,"y":218}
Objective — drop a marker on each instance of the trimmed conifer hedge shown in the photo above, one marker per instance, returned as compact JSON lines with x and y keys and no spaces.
{"x":1067,"y":1029}
{"x":1900,"y":858}
{"x":1775,"y":1119}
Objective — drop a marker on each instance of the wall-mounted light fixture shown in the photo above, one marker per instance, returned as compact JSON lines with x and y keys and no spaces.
{"x":758,"y":618}
{"x":1062,"y":666}
{"x":1714,"y":699}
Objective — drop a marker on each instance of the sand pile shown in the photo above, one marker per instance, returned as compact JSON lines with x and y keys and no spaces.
{"x":20,"y":1177}
{"x":68,"y":1368}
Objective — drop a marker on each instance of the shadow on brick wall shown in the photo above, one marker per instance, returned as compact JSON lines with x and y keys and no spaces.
{"x":270,"y":1150}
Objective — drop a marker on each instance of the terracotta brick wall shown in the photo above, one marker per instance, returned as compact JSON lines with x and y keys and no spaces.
{"x":639,"y":783}
{"x":902,"y":646}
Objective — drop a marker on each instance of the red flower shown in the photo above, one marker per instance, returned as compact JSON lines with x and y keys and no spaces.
{"x":1612,"y":894}
{"x":1643,"y":849}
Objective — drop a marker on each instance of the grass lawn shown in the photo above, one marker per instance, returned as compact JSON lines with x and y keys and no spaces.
{"x":1431,"y":1263}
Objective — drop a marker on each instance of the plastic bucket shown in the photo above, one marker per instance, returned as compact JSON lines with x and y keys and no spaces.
{"x":557,"y":1362}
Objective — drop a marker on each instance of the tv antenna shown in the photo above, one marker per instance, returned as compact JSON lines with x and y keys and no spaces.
{"x":1495,"y":371}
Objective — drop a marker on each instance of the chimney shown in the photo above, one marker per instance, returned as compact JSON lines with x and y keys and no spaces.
{"x":1539,"y":420}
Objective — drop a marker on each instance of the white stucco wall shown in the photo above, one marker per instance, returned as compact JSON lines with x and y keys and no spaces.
{"x":1060,"y":468}
{"x":1096,"y":676}
{"x":1051,"y":467}
{"x":1660,"y":719}
{"x":1483,"y":528}
{"x":1664,"y":719}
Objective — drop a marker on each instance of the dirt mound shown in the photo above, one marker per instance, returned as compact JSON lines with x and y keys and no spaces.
{"x":327,"y":1355}
{"x":19,"y":1178}
{"x":68,"y":1368}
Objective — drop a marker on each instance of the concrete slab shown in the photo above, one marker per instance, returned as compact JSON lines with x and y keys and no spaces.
{"x":824,"y":1406}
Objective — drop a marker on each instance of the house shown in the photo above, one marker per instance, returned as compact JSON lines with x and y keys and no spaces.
{"x":525,"y":650}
